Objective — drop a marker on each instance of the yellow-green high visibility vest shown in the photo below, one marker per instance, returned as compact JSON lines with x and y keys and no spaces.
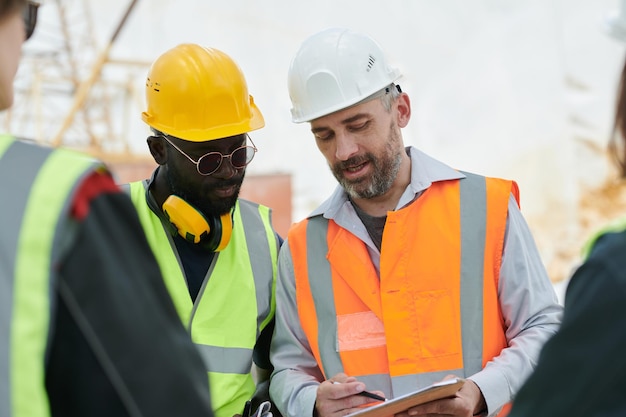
{"x":36,"y":186}
{"x":236,"y":300}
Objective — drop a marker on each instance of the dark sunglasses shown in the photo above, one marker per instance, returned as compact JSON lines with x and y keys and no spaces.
{"x":210,"y":162}
{"x":29,"y":16}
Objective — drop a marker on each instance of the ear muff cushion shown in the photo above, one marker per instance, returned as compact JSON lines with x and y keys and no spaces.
{"x":226,"y":225}
{"x":215,"y":233}
{"x":189,"y":222}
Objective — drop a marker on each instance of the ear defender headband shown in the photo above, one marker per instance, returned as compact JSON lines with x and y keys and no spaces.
{"x":214,"y":232}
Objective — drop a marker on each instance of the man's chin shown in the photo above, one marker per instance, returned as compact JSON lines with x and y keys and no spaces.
{"x":222,"y":206}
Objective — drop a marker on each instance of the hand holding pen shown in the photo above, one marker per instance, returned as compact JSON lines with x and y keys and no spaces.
{"x":341,"y":394}
{"x":366,"y":394}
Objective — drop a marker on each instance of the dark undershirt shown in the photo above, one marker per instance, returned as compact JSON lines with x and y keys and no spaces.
{"x":374,"y":225}
{"x":196,"y":261}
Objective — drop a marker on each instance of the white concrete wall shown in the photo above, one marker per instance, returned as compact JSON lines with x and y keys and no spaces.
{"x":501,"y":87}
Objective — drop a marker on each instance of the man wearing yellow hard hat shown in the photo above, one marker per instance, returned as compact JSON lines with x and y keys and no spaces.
{"x":217,"y":252}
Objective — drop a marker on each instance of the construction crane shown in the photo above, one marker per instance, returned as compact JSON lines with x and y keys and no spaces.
{"x":70,"y":91}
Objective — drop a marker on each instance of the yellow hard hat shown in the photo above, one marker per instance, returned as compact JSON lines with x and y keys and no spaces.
{"x":199,"y":94}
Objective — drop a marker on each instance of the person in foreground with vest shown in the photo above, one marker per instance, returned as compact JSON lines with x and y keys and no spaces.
{"x":411,"y":271}
{"x":582,"y":369}
{"x":218,"y":253}
{"x":86,"y":324}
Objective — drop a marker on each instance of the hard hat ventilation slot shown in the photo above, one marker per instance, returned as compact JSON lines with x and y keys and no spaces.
{"x":370,"y":63}
{"x":153,"y":85}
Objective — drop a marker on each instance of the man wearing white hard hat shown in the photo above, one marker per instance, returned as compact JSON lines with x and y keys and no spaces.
{"x":412,"y":271}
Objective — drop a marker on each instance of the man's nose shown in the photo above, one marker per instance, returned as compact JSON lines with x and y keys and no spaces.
{"x":226,"y":169}
{"x":346,"y":146}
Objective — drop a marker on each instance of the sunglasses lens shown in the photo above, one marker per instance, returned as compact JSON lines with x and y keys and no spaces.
{"x":209,"y":163}
{"x":241,"y":157}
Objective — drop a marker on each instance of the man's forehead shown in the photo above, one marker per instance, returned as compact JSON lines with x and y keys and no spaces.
{"x":221,"y":141}
{"x":231,"y":139}
{"x":341,"y":118}
{"x":346,"y":116}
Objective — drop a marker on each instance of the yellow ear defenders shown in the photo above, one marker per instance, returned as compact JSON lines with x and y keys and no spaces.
{"x":214,"y":232}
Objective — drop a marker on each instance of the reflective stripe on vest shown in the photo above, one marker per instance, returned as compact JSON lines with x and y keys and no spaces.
{"x":440,"y":272}
{"x":32,"y":224}
{"x":239,"y":299}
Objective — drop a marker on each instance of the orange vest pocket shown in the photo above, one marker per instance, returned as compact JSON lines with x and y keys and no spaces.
{"x":439,"y":327}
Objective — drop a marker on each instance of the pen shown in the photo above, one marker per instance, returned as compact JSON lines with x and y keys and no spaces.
{"x":367,"y":394}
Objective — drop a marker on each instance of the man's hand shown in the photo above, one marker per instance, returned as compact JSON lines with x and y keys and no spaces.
{"x":467,"y":402}
{"x":338,"y":396}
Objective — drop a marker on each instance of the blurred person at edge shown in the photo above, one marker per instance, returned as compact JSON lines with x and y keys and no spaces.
{"x":415,"y":271}
{"x":582,"y":369}
{"x":217,"y":252}
{"x":87,"y":327}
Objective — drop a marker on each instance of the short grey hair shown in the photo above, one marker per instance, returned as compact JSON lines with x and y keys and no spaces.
{"x":390,"y":95}
{"x":387,"y":96}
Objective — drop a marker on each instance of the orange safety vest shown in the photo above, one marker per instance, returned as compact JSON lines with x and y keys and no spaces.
{"x":433,"y":312}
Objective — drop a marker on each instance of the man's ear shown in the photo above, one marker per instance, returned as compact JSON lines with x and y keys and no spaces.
{"x":157,"y":147}
{"x":403,"y":104}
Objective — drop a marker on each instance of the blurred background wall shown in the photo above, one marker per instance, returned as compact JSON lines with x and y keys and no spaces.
{"x":516,"y":89}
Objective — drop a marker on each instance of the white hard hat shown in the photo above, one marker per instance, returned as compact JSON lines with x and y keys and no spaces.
{"x":335,"y":69}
